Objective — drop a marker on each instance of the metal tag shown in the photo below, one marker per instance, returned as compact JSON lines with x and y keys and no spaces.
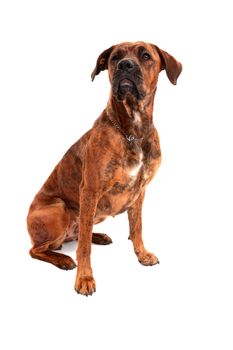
{"x":130,"y":138}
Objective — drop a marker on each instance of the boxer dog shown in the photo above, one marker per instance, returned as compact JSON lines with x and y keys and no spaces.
{"x":105,"y":173}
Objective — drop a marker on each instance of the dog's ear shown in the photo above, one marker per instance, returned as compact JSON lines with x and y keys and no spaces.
{"x":170,"y":64}
{"x":102,"y":62}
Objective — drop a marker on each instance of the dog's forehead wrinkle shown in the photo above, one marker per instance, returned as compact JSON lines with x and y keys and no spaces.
{"x":130,"y":48}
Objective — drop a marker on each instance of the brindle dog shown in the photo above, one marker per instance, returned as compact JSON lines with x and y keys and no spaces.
{"x":106,"y":171}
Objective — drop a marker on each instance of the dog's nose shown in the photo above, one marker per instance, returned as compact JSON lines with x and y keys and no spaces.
{"x":125,"y":65}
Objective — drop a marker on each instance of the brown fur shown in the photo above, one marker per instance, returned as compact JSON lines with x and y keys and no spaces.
{"x":103,"y":174}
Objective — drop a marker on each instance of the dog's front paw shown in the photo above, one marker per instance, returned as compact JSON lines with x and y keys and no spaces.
{"x":85,"y":285}
{"x":148,"y":259}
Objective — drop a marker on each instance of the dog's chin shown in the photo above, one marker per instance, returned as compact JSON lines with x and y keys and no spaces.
{"x":125,"y":89}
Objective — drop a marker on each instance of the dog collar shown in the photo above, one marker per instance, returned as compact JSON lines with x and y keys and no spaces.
{"x":129,"y":138}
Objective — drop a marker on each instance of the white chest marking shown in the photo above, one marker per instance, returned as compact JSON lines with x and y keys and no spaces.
{"x":135,"y":170}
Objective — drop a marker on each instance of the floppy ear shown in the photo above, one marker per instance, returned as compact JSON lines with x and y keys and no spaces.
{"x":170,"y":64}
{"x":102,"y":62}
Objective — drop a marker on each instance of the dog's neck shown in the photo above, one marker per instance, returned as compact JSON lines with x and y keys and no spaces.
{"x":134,"y":117}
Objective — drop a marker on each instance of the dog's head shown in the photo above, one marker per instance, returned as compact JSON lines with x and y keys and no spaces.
{"x":134,"y":68}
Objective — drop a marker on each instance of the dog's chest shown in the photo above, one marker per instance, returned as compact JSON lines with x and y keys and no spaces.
{"x":139,"y":165}
{"x":129,"y":178}
{"x":134,"y":169}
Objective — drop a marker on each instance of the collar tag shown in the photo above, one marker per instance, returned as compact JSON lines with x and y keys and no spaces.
{"x":130,"y":138}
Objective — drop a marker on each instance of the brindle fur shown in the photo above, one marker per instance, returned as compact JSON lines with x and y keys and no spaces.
{"x":95,"y":178}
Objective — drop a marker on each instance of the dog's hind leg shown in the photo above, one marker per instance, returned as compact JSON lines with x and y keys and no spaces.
{"x":62,"y":261}
{"x":47,"y":228}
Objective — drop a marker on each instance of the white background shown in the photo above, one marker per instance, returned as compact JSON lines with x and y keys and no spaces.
{"x":47,"y":101}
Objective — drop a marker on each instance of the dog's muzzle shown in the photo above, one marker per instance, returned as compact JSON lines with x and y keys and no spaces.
{"x":127,"y":80}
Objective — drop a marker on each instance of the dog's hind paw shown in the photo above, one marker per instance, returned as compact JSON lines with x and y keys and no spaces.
{"x":101,"y":238}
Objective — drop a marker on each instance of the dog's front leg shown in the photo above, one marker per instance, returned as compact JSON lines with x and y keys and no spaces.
{"x":135,"y":225}
{"x":85,"y":283}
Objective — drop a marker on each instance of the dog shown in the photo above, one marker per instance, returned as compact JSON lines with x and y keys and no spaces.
{"x":105,"y":173}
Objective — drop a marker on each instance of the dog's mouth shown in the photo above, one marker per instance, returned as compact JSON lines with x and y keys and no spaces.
{"x":124,"y":86}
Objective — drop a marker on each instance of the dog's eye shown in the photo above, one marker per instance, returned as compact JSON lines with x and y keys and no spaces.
{"x":146,"y":56}
{"x":114,"y":58}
